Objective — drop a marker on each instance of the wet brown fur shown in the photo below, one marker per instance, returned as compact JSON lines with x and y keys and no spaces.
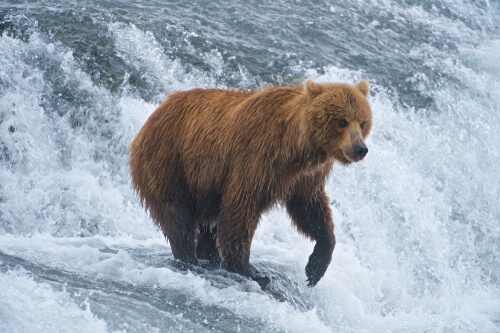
{"x":209,"y":162}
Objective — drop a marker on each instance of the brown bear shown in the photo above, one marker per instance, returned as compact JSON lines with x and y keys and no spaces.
{"x":209,"y":162}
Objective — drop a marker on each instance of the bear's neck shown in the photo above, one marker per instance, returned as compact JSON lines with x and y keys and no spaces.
{"x":304,"y":152}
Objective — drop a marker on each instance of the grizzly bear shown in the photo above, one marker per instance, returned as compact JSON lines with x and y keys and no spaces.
{"x":209,"y":162}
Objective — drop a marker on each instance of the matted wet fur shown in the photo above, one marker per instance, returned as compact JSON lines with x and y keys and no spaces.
{"x":209,"y":162}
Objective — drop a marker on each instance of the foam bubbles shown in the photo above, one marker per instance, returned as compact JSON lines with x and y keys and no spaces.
{"x":29,"y":305}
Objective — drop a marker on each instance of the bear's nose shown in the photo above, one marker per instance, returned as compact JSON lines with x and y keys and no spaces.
{"x":361,"y":151}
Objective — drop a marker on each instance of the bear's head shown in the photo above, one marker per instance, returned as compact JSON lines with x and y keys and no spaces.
{"x":339,"y":119}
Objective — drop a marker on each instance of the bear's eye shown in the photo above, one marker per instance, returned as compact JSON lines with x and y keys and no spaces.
{"x":343,"y":123}
{"x":363,"y":124}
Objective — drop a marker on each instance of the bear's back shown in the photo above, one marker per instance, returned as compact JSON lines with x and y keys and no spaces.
{"x":200,"y":141}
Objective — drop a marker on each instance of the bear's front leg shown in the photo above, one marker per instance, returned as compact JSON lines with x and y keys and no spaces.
{"x":234,"y":239}
{"x":319,"y":261}
{"x":313,"y":217}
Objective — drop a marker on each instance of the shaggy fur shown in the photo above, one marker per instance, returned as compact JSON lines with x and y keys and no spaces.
{"x":209,"y":162}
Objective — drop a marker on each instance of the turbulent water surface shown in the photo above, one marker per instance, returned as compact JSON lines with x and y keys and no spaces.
{"x":417,"y":222}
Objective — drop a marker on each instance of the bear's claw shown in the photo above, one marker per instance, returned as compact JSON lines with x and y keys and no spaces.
{"x":319,"y":261}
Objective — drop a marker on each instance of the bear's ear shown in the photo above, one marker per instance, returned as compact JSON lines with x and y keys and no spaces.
{"x":312,"y":89}
{"x":364,"y":87}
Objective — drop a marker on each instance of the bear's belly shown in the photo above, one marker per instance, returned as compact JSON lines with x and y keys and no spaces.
{"x":208,"y":206}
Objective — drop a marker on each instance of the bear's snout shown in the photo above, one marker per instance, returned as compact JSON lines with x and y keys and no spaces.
{"x":355,"y":153}
{"x":361,"y":151}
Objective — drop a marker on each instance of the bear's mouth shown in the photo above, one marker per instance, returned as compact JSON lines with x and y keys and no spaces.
{"x":344,"y":160}
{"x":352,"y":159}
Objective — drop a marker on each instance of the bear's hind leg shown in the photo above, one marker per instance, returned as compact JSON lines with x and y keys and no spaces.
{"x":207,"y":245}
{"x":177,"y":224}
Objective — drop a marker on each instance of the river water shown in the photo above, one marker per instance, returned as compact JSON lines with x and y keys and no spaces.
{"x":417,"y":222}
